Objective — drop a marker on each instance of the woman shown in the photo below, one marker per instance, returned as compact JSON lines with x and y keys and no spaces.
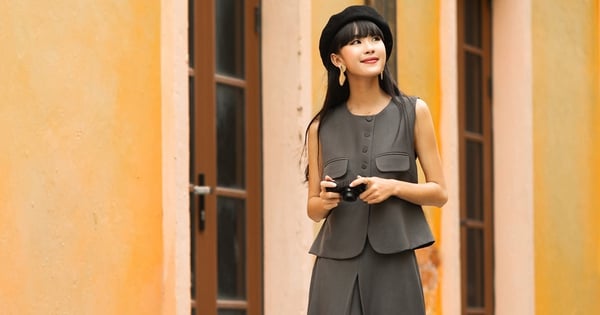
{"x":364,"y":143}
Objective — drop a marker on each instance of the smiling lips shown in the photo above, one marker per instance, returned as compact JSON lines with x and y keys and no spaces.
{"x":370,"y":60}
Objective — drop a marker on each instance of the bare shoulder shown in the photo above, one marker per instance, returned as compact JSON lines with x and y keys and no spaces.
{"x":422,"y":110}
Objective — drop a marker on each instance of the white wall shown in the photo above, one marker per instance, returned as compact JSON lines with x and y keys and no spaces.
{"x":175,"y":158}
{"x":286,"y":93}
{"x":513,"y":158}
{"x":450,"y":239}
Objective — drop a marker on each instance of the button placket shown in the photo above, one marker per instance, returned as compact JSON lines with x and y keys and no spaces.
{"x":366,"y":133}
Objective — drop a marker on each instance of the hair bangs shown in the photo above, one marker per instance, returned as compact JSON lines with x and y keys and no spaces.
{"x":356,"y":29}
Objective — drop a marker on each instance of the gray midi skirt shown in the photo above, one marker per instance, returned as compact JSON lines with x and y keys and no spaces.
{"x":369,"y":284}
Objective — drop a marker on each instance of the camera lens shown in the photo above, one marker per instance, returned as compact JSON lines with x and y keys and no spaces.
{"x":348,"y":195}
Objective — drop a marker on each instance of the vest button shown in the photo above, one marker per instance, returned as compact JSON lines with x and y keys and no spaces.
{"x":365,"y":149}
{"x":369,"y":118}
{"x":363,"y":166}
{"x":367,"y":134}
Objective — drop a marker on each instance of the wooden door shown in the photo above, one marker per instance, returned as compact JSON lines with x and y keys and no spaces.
{"x":225,"y":167}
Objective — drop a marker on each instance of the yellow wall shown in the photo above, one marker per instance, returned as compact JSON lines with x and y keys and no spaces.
{"x":566,"y":151}
{"x":80,"y":157}
{"x":418,"y":56}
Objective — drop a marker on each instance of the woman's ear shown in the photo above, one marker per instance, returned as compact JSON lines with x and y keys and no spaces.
{"x":336,"y":60}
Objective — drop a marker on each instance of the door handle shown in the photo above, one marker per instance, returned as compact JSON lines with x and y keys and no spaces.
{"x":199,"y":190}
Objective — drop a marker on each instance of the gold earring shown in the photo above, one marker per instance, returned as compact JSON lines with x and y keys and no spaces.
{"x":342,"y":77}
{"x":381,"y":75}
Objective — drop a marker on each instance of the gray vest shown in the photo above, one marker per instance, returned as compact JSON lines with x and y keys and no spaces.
{"x":382,"y":146}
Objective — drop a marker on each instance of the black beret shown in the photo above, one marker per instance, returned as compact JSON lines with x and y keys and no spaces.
{"x":351,"y":14}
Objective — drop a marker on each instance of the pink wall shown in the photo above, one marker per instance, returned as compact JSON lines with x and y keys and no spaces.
{"x":286,"y":95}
{"x":513,"y":158}
{"x":175,"y":158}
{"x":448,"y":130}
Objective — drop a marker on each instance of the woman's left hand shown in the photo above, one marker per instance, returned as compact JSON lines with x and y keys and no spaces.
{"x":377,"y":189}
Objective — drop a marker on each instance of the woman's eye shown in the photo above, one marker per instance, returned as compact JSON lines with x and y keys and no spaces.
{"x":355,"y":42}
{"x":376,"y":38}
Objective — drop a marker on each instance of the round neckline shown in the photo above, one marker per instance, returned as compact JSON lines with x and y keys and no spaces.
{"x":370,"y":115}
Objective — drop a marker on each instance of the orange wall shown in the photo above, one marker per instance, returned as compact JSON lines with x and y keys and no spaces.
{"x":566,"y":150}
{"x":80,"y":157}
{"x":418,"y":62}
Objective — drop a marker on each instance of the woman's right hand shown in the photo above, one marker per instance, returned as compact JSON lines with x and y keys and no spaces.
{"x":329,"y":199}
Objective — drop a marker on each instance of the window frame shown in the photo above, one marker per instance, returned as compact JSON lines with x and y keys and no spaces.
{"x":485,"y":139}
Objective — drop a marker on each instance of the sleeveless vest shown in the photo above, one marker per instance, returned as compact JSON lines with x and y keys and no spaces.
{"x":383,"y":146}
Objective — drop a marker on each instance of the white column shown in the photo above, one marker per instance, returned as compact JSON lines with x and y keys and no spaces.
{"x":286,"y":94}
{"x":450,"y":231}
{"x":513,"y":158}
{"x":175,"y":161}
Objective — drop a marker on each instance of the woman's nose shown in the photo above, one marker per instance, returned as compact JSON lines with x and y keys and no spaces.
{"x":369,"y":45}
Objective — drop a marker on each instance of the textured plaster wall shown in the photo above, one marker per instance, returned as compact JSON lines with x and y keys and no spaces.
{"x":286,"y":94}
{"x":449,"y":237}
{"x":175,"y":158}
{"x":512,"y":107}
{"x":418,"y":59}
{"x":80,"y":157}
{"x":566,"y":166}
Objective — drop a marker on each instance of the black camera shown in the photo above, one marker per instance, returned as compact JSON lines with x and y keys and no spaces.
{"x":348,"y":193}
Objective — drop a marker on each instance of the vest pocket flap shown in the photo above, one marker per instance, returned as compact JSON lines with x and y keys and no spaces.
{"x":393,"y":162}
{"x":336,"y":168}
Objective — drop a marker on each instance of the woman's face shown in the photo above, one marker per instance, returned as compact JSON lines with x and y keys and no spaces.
{"x":364,"y":56}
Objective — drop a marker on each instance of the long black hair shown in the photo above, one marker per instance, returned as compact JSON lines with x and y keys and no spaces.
{"x":337,"y":95}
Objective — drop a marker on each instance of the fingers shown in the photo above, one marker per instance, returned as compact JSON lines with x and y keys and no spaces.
{"x":360,"y":180}
{"x":375,"y":191}
{"x":372,"y":198}
{"x":330,"y":199}
{"x":328,"y":182}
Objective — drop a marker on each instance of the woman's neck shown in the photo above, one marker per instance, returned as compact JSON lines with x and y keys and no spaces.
{"x":366,"y":97}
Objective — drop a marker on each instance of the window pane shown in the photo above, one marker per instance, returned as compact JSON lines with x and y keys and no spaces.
{"x":475,"y":274}
{"x":231,"y":242}
{"x":231,"y":151}
{"x":474,"y":177}
{"x":473,"y":22}
{"x":230,"y":37}
{"x":232,"y":312}
{"x":473,"y":92}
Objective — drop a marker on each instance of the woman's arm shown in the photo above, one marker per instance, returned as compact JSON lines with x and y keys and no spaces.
{"x":319,"y":202}
{"x":433,"y":191}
